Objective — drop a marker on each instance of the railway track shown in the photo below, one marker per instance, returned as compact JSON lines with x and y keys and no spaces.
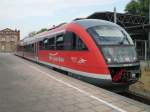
{"x":136,"y":97}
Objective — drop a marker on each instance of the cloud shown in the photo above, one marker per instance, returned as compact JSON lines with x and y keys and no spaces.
{"x":79,"y":3}
{"x":30,"y":15}
{"x":24,"y":8}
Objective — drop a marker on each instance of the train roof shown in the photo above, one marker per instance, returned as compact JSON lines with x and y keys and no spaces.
{"x":87,"y":23}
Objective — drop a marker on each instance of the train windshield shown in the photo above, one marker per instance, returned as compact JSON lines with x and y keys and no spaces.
{"x":115,"y":44}
{"x":104,"y":35}
{"x":119,"y":54}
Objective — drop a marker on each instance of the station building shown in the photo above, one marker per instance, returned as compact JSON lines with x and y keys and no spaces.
{"x":9,"y":39}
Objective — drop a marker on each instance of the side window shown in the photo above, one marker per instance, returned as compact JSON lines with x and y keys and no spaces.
{"x":69,"y":41}
{"x":45,"y":44}
{"x":73,"y":42}
{"x":32,"y":48}
{"x":41,"y":45}
{"x":79,"y":44}
{"x":29,"y":48}
{"x":60,"y":42}
{"x":51,"y":43}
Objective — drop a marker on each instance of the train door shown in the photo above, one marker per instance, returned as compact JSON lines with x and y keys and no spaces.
{"x":36,"y":49}
{"x":77,"y":56}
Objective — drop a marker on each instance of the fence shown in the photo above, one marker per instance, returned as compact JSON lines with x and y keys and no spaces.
{"x":143,"y":49}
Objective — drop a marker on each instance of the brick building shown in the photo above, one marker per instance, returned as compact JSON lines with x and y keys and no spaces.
{"x":8,"y":40}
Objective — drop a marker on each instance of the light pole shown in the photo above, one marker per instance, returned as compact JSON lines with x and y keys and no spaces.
{"x":149,"y":27}
{"x":149,"y":33}
{"x":115,"y":15}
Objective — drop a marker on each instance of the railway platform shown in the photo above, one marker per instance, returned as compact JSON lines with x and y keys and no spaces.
{"x":29,"y":87}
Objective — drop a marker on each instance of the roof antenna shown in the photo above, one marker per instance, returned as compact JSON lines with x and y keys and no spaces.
{"x":115,"y":15}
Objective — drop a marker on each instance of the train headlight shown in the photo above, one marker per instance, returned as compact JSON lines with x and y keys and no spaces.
{"x":108,"y":60}
{"x":119,"y":54}
{"x":134,"y":58}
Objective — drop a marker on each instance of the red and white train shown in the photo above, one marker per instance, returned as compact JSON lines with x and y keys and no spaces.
{"x":97,"y":51}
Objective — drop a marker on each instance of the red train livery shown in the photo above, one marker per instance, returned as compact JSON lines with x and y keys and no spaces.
{"x":97,"y":51}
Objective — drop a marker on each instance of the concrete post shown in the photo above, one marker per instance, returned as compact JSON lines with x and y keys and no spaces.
{"x":149,"y":12}
{"x":115,"y":15}
{"x":145,"y":50}
{"x":135,"y":43}
{"x":149,"y":28}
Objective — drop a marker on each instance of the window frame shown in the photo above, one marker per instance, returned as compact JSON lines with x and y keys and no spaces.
{"x":75,"y":37}
{"x":62,"y":46}
{"x":59,"y":44}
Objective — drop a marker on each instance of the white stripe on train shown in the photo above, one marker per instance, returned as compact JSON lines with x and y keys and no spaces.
{"x":86,"y":74}
{"x":92,"y":75}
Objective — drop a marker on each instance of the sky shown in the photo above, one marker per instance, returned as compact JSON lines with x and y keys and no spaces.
{"x":32,"y":15}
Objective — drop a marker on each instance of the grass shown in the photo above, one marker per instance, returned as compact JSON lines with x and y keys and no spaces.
{"x":142,"y":87}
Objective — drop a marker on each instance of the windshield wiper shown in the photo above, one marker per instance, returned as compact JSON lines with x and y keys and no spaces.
{"x":123,"y":39}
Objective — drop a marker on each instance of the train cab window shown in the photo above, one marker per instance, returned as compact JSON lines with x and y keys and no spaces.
{"x":109,"y":35}
{"x":60,"y":42}
{"x":73,"y":42}
{"x":80,"y":45}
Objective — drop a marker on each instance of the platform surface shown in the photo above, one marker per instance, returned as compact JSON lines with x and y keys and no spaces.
{"x":29,"y":87}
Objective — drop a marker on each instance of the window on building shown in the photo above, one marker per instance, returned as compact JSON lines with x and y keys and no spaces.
{"x":3,"y":47}
{"x":73,"y":42}
{"x":7,"y":38}
{"x":12,"y":38}
{"x":3,"y":39}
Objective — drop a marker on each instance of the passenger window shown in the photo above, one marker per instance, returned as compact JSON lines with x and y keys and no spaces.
{"x":45,"y":42}
{"x":32,"y":48}
{"x":60,"y":42}
{"x":73,"y":42}
{"x":51,"y":43}
{"x":29,"y":48}
{"x":41,"y":45}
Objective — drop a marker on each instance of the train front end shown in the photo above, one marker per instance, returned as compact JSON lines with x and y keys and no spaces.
{"x":119,"y":52}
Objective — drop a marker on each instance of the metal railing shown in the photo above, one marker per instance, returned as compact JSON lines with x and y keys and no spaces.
{"x":143,"y":49}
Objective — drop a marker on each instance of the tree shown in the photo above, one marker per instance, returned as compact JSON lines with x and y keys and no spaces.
{"x":42,"y":30}
{"x":138,"y":7}
{"x":31,"y":34}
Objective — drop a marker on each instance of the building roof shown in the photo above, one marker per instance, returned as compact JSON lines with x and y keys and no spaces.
{"x":143,"y":26}
{"x":9,"y":30}
{"x":125,"y":20}
{"x":6,"y":29}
